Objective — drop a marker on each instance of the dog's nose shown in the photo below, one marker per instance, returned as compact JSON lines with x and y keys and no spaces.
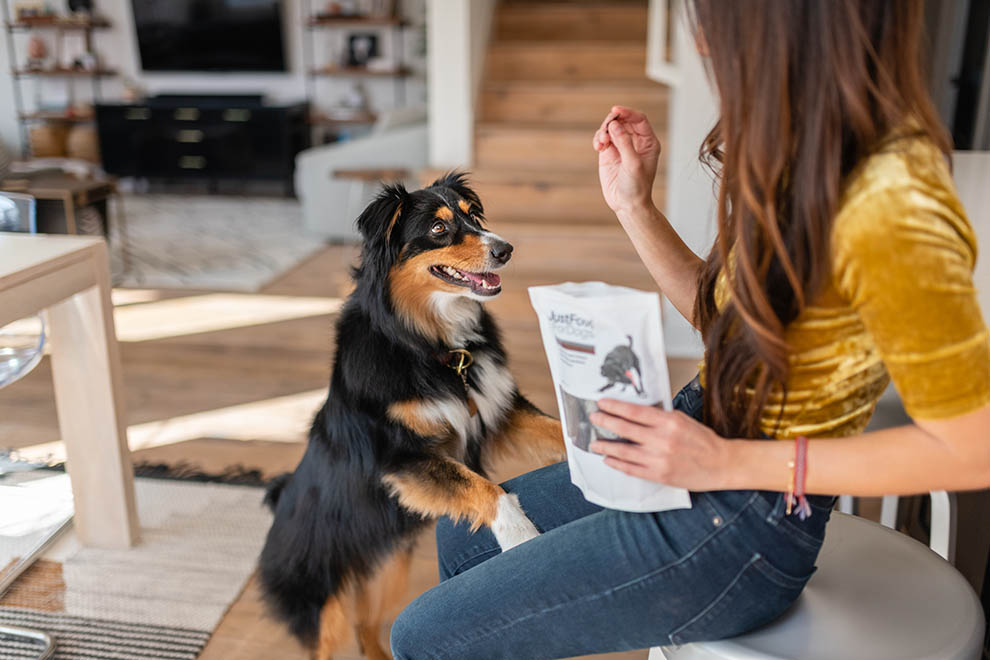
{"x":501,"y":252}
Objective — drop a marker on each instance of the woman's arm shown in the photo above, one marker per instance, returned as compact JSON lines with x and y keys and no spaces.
{"x":628,"y":151}
{"x":672,"y":448}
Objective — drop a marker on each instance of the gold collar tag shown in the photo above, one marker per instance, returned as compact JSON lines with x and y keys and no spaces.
{"x":463,"y":360}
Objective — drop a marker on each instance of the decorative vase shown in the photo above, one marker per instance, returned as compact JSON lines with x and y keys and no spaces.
{"x":48,"y":140}
{"x":5,"y":161}
{"x":83,"y":144}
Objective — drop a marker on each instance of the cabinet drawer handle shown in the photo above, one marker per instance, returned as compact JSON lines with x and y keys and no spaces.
{"x":192,"y":162}
{"x":137,"y":114}
{"x":190,"y":136}
{"x":186,"y":114}
{"x":236,"y":114}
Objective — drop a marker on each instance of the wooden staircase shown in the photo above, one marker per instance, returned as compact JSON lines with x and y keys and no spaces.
{"x":554,"y":68}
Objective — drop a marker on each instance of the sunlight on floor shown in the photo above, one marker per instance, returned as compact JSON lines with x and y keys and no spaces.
{"x":208,"y":313}
{"x":282,"y":419}
{"x":140,"y":315}
{"x":132,"y":296}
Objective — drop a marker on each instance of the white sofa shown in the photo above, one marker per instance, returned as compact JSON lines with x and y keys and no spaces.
{"x":331,"y":205}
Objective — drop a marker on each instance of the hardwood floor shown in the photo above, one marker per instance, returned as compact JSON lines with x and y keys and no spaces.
{"x":244,"y":395}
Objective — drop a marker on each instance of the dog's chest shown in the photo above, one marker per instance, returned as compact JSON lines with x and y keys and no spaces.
{"x":491,"y":389}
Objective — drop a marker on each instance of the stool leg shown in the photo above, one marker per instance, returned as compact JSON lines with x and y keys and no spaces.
{"x":943,"y":536}
{"x":888,"y":511}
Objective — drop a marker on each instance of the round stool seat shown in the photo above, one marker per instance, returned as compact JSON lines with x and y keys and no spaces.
{"x":877,"y":595}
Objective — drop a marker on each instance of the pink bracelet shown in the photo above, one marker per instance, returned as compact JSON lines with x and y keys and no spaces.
{"x":799,"y":477}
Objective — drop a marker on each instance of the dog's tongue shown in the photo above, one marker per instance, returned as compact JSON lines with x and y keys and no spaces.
{"x":491,"y":279}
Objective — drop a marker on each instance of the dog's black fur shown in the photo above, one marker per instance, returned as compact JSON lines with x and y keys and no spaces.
{"x":336,"y":520}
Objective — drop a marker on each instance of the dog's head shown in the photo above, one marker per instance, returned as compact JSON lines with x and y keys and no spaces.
{"x":431,"y":250}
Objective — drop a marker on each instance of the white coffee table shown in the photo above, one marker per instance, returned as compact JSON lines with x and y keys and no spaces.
{"x":70,"y":277}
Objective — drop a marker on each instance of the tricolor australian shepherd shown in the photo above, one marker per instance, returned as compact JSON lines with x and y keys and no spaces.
{"x":420,"y":400}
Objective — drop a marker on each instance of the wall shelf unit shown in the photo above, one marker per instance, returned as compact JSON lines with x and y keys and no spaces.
{"x":391,"y":28}
{"x":61,"y":25}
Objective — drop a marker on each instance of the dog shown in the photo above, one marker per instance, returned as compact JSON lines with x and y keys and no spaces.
{"x":621,"y":366}
{"x":420,"y":402}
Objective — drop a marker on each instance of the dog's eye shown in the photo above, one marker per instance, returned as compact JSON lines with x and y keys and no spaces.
{"x":438,"y":228}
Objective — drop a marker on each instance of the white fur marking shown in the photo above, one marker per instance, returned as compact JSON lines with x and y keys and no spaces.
{"x":459,"y":316}
{"x":495,"y":389}
{"x":511,"y":526}
{"x":488,"y":238}
{"x":453,"y":412}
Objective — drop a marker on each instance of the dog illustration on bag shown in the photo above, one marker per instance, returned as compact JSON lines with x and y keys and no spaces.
{"x":621,"y":367}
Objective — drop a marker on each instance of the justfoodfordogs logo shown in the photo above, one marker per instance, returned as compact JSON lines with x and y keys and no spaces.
{"x":572,"y":331}
{"x":572,"y":326}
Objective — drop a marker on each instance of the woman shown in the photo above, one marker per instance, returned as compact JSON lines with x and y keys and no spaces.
{"x":842,"y":256}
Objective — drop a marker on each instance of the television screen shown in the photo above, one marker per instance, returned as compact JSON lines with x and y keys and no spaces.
{"x":209,"y":35}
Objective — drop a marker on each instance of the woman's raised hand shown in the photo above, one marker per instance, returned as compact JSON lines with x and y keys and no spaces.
{"x":628,"y":151}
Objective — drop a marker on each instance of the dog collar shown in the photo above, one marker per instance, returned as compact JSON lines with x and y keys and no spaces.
{"x":459,"y":359}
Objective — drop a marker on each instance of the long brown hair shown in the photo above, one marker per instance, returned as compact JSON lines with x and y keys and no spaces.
{"x":807,"y":89}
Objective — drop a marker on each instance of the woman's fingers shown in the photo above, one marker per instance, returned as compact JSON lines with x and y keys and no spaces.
{"x":623,"y":141}
{"x":633,"y":469}
{"x":622,"y":451}
{"x":646,"y":415}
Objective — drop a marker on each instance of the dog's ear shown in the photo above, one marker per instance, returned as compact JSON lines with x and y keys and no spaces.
{"x":458,"y":182}
{"x":379,"y":222}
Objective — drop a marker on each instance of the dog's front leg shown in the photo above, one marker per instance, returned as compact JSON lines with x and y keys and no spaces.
{"x":529,"y":433}
{"x":438,"y":486}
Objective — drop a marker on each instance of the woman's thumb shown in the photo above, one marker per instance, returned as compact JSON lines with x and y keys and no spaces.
{"x":623,"y":141}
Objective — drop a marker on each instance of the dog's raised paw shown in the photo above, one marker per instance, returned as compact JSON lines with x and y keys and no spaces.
{"x":511,"y":526}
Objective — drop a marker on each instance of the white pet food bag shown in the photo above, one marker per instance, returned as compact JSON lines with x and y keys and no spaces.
{"x":605,"y":341}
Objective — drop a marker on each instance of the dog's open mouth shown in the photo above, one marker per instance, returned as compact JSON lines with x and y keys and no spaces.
{"x":485,"y":284}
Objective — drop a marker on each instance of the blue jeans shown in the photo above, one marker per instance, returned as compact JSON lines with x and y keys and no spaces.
{"x":599,"y":580}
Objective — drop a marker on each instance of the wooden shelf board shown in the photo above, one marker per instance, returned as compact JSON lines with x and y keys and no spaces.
{"x":354,"y":21}
{"x":64,"y":73}
{"x":56,"y":116}
{"x":357,"y":120}
{"x":60,"y":23}
{"x":401,"y":72}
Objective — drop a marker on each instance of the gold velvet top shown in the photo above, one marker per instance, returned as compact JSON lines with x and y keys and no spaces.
{"x":900,"y":305}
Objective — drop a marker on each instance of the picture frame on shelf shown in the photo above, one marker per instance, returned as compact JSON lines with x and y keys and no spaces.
{"x":362,"y":47}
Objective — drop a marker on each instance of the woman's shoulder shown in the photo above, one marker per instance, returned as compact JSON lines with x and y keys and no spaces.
{"x":900,"y":196}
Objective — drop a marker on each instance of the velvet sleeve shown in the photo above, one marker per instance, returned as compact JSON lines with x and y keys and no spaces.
{"x":903,"y":258}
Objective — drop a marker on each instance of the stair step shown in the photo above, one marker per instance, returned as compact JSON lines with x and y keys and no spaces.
{"x":549,"y":203}
{"x":499,"y":146}
{"x":533,"y":148}
{"x":576,"y":103}
{"x":562,"y":61}
{"x":550,"y":196}
{"x":593,"y":21}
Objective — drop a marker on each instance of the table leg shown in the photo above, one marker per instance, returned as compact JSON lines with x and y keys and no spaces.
{"x":70,"y":214}
{"x":89,"y":399}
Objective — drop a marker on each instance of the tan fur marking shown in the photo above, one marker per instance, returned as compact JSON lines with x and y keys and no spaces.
{"x":464,"y":205}
{"x":391,"y":223}
{"x":527,"y":434}
{"x":333,"y":628}
{"x":380,"y":598}
{"x":411,"y":415}
{"x":411,"y":282}
{"x":444,"y":213}
{"x":467,"y":496}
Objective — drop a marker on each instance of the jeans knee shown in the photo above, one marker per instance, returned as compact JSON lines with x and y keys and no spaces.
{"x":404,"y":639}
{"x":450,"y":537}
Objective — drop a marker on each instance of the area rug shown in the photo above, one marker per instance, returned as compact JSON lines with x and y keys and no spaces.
{"x":213,"y":242}
{"x":160,"y":599}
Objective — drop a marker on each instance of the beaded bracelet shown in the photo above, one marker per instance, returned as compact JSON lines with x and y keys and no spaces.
{"x":799,"y":477}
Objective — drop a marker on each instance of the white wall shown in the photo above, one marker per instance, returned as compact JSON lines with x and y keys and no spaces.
{"x":118,"y":49}
{"x":971,"y":171}
{"x":458,"y":32}
{"x":690,"y":195}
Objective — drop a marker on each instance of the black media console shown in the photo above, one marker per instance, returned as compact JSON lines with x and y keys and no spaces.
{"x":203,"y":137}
